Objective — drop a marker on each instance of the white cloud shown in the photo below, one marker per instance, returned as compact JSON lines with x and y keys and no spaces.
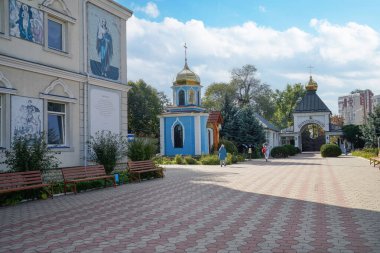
{"x":150,"y":9}
{"x":262,"y":9}
{"x":345,"y":57}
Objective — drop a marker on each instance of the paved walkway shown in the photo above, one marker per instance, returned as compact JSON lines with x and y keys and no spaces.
{"x":301,"y":204}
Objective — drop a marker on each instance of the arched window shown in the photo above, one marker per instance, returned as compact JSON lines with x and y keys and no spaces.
{"x":181,"y":97}
{"x":191,"y":97}
{"x":178,"y":136}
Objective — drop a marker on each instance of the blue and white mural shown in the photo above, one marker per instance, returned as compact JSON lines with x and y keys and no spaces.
{"x":103,"y":43}
{"x":26,"y":116}
{"x":26,"y":22}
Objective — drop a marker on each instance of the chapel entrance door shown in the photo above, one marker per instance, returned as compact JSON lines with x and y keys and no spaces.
{"x":313,"y":137}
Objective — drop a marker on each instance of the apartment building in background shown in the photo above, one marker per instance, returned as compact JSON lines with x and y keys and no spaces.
{"x":355,"y":107}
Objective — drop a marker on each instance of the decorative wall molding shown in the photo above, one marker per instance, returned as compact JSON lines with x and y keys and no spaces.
{"x":60,"y":82}
{"x":48,"y":3}
{"x":70,"y":95}
{"x":5,"y":81}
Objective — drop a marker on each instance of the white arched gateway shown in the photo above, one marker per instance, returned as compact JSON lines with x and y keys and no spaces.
{"x":312,"y":127}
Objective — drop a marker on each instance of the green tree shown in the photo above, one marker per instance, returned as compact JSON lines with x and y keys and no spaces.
{"x":215,"y":95}
{"x":246,"y":83}
{"x":144,"y":105}
{"x":264,"y":102}
{"x":371,"y":130}
{"x":286,"y":101}
{"x":242,"y":127}
{"x":249,"y":129}
{"x":353,"y":134}
{"x":228,"y":110}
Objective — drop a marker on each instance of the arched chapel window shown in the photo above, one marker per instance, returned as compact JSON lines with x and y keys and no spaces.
{"x":181,"y":97}
{"x":178,"y":136}
{"x":191,"y":97}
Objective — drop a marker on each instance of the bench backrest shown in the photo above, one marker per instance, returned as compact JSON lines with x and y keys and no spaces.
{"x":10,"y":180}
{"x":80,"y":172}
{"x":140,"y":165}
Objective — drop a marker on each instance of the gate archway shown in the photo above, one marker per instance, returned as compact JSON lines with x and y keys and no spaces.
{"x":313,"y":137}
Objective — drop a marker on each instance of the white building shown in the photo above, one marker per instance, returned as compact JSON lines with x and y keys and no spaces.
{"x":63,"y":72}
{"x":376,"y":100}
{"x":354,"y":108}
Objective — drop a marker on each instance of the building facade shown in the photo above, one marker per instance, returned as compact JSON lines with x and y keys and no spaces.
{"x":272,"y":133}
{"x":376,"y":101}
{"x":183,"y":127}
{"x":312,"y":127}
{"x":354,"y":108}
{"x":62,"y":72}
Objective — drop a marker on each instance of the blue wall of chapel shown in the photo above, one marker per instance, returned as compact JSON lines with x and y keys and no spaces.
{"x":204,"y":135}
{"x":189,"y":138}
{"x":186,"y":89}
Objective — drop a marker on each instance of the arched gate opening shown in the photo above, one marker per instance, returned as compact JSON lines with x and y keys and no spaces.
{"x":313,"y":137}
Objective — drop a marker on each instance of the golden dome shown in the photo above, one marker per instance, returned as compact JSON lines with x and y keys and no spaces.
{"x":186,"y":76}
{"x":312,"y":85}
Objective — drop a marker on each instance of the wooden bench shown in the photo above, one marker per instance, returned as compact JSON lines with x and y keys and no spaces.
{"x":74,"y":175}
{"x":140,"y":167}
{"x":19,"y":181}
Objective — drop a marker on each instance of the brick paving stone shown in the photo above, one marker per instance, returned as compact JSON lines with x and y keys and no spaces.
{"x":301,"y":204}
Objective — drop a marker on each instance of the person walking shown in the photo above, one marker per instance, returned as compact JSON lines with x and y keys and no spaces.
{"x":266,"y":150}
{"x":222,"y":155}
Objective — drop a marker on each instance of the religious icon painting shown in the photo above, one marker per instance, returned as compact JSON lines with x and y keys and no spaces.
{"x":26,"y":116}
{"x":103,"y":43}
{"x":26,"y":22}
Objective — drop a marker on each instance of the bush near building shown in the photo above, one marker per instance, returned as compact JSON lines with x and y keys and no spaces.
{"x":330,"y":150}
{"x":279,"y":152}
{"x":291,"y":150}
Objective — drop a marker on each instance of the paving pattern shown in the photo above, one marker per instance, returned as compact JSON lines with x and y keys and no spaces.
{"x":301,"y":204}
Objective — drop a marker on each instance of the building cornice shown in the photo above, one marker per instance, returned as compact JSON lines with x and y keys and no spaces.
{"x":60,"y":73}
{"x":171,"y":115}
{"x":41,"y":69}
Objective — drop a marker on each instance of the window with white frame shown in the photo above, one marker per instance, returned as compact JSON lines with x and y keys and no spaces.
{"x":56,"y":133}
{"x":56,"y":34}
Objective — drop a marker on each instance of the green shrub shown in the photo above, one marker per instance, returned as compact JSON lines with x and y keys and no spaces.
{"x":142,"y":149}
{"x":178,"y":159}
{"x":190,"y":160}
{"x":229,"y":145}
{"x":279,"y":152}
{"x":366,"y":152}
{"x":30,"y":154}
{"x":298,"y":150}
{"x":330,"y":150}
{"x":240,"y":158}
{"x":107,"y":148}
{"x":162,"y":160}
{"x":210,"y":160}
{"x":291,"y":150}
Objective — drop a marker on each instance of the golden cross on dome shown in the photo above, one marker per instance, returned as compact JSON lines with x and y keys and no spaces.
{"x":185,"y":52}
{"x":310,"y":67}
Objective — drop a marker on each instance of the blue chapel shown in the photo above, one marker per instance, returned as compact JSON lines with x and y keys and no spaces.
{"x":183,"y":126}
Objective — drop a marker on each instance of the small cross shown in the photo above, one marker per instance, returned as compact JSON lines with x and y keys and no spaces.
{"x":310,"y":67}
{"x":185,"y":52}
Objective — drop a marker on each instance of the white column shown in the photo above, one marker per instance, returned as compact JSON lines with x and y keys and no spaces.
{"x":162,"y":136}
{"x":327,"y":138}
{"x":296,"y":142}
{"x":197,"y":135}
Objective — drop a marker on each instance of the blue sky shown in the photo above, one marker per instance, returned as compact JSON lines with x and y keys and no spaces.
{"x":341,"y":39}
